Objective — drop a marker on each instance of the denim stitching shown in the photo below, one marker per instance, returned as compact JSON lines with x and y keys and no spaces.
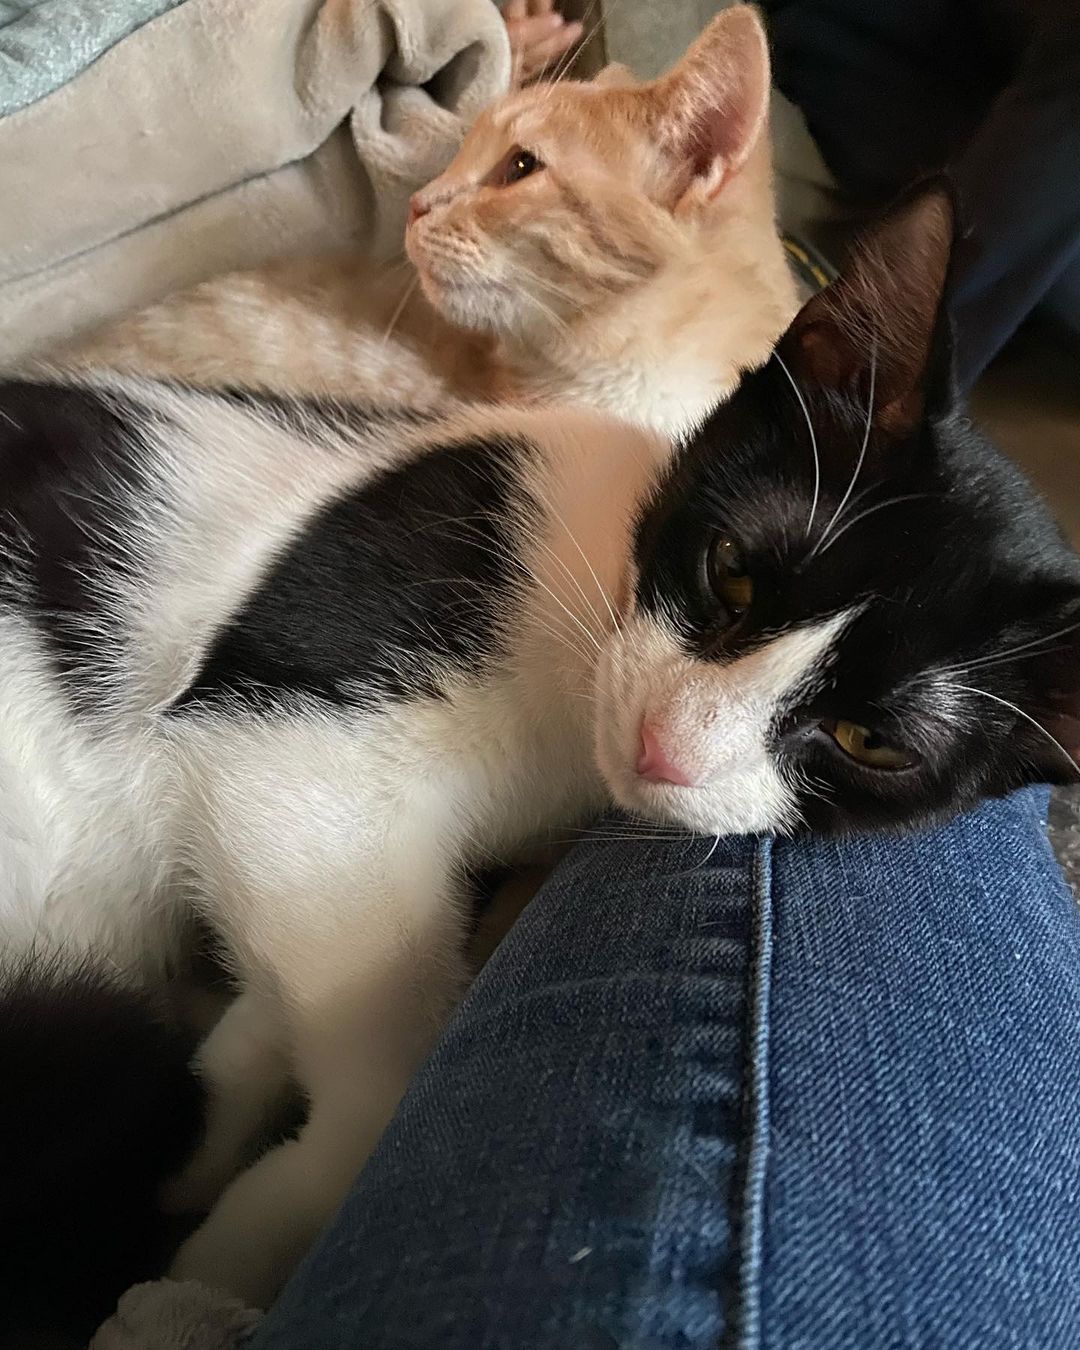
{"x":747,"y":1322}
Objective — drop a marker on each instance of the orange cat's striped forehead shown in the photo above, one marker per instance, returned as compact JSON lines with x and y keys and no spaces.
{"x":573,"y":127}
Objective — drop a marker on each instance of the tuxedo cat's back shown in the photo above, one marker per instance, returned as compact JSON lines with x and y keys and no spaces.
{"x":136,"y":520}
{"x":168,"y":551}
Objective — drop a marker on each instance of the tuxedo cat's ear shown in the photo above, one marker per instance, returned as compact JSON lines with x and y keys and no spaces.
{"x":710,"y":110}
{"x":615,"y":76}
{"x":882,"y":323}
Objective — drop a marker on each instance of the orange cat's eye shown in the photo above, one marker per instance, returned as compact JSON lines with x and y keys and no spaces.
{"x":518,"y":164}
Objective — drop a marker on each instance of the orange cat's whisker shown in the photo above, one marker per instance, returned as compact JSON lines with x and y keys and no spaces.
{"x":562,"y":66}
{"x":599,"y":27}
{"x":395,"y":318}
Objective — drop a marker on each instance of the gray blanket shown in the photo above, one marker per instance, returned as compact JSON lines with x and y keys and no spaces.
{"x":165,"y":1315}
{"x":219,"y":135}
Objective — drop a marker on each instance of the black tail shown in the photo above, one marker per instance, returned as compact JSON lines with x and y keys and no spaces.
{"x":97,"y":1107}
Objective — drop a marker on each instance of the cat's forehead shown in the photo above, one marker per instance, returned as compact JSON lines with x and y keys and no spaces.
{"x":570,"y":116}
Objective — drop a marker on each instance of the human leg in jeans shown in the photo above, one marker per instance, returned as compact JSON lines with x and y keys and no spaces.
{"x":990,"y":90}
{"x":795,"y":1095}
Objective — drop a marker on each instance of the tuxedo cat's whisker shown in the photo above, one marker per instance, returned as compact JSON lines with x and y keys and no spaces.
{"x":590,"y":607}
{"x":446,"y":581}
{"x":550,"y":508}
{"x":708,"y":856}
{"x":627,"y":837}
{"x":1005,"y":703}
{"x":1026,"y":651}
{"x":531,"y":575}
{"x":672,"y":831}
{"x":814,"y":787}
{"x":477,"y":541}
{"x":813,"y":439}
{"x":586,"y":632}
{"x":861,"y":459}
{"x":587,"y":836}
{"x":870,"y":510}
{"x":565,"y":638}
{"x":466,"y":605}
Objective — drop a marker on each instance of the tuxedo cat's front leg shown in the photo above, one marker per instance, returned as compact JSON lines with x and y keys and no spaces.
{"x":356,"y":1043}
{"x":244,"y":1069}
{"x":333,"y":889}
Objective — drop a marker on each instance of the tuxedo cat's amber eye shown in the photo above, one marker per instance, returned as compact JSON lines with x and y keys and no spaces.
{"x":726,"y":576}
{"x":517,"y":165}
{"x":867,"y":746}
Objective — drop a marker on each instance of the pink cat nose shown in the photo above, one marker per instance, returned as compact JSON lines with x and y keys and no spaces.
{"x":654,"y":763}
{"x":417,"y":208}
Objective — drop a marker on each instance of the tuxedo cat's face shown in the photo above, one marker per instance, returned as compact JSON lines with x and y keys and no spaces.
{"x":568,"y":197}
{"x":847,"y":610}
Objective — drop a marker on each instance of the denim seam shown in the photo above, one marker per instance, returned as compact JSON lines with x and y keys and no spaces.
{"x":747,"y":1319}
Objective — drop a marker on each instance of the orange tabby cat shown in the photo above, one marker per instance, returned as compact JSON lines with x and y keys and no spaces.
{"x":609,"y":243}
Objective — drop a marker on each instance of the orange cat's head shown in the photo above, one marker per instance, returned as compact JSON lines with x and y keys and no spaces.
{"x":571,"y":202}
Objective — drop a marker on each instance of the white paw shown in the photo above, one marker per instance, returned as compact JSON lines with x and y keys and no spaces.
{"x":257,"y":1232}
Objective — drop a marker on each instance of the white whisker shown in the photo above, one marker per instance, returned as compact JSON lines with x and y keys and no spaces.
{"x":566,"y":61}
{"x":813,"y":439}
{"x":550,"y":508}
{"x":862,"y":455}
{"x":1036,"y":647}
{"x":879,"y":506}
{"x":970,"y":689}
{"x":400,"y":309}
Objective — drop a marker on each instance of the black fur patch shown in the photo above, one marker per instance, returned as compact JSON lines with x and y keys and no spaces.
{"x":70,"y":465}
{"x":98,"y":1108}
{"x":386,"y":587}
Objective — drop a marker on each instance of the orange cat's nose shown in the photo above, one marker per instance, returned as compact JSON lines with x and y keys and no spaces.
{"x":416,"y":209}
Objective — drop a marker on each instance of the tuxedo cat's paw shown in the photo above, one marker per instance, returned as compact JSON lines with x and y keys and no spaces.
{"x":260,"y":1227}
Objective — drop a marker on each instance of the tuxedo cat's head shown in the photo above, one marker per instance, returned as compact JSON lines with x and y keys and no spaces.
{"x":845,"y":609}
{"x":581,"y":218}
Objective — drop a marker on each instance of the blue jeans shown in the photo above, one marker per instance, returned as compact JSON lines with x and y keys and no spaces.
{"x":795,"y":1095}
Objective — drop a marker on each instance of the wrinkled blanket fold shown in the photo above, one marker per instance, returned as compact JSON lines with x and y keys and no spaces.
{"x":221,"y":134}
{"x":170,"y":1315}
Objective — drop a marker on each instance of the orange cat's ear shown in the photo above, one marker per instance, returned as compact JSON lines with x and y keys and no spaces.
{"x":711,"y":109}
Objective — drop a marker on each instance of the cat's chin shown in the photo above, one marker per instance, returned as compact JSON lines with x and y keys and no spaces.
{"x":465,"y":304}
{"x":718,"y":809}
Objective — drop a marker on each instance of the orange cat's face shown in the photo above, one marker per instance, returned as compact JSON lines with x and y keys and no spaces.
{"x":555,"y":201}
{"x":566,"y":198}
